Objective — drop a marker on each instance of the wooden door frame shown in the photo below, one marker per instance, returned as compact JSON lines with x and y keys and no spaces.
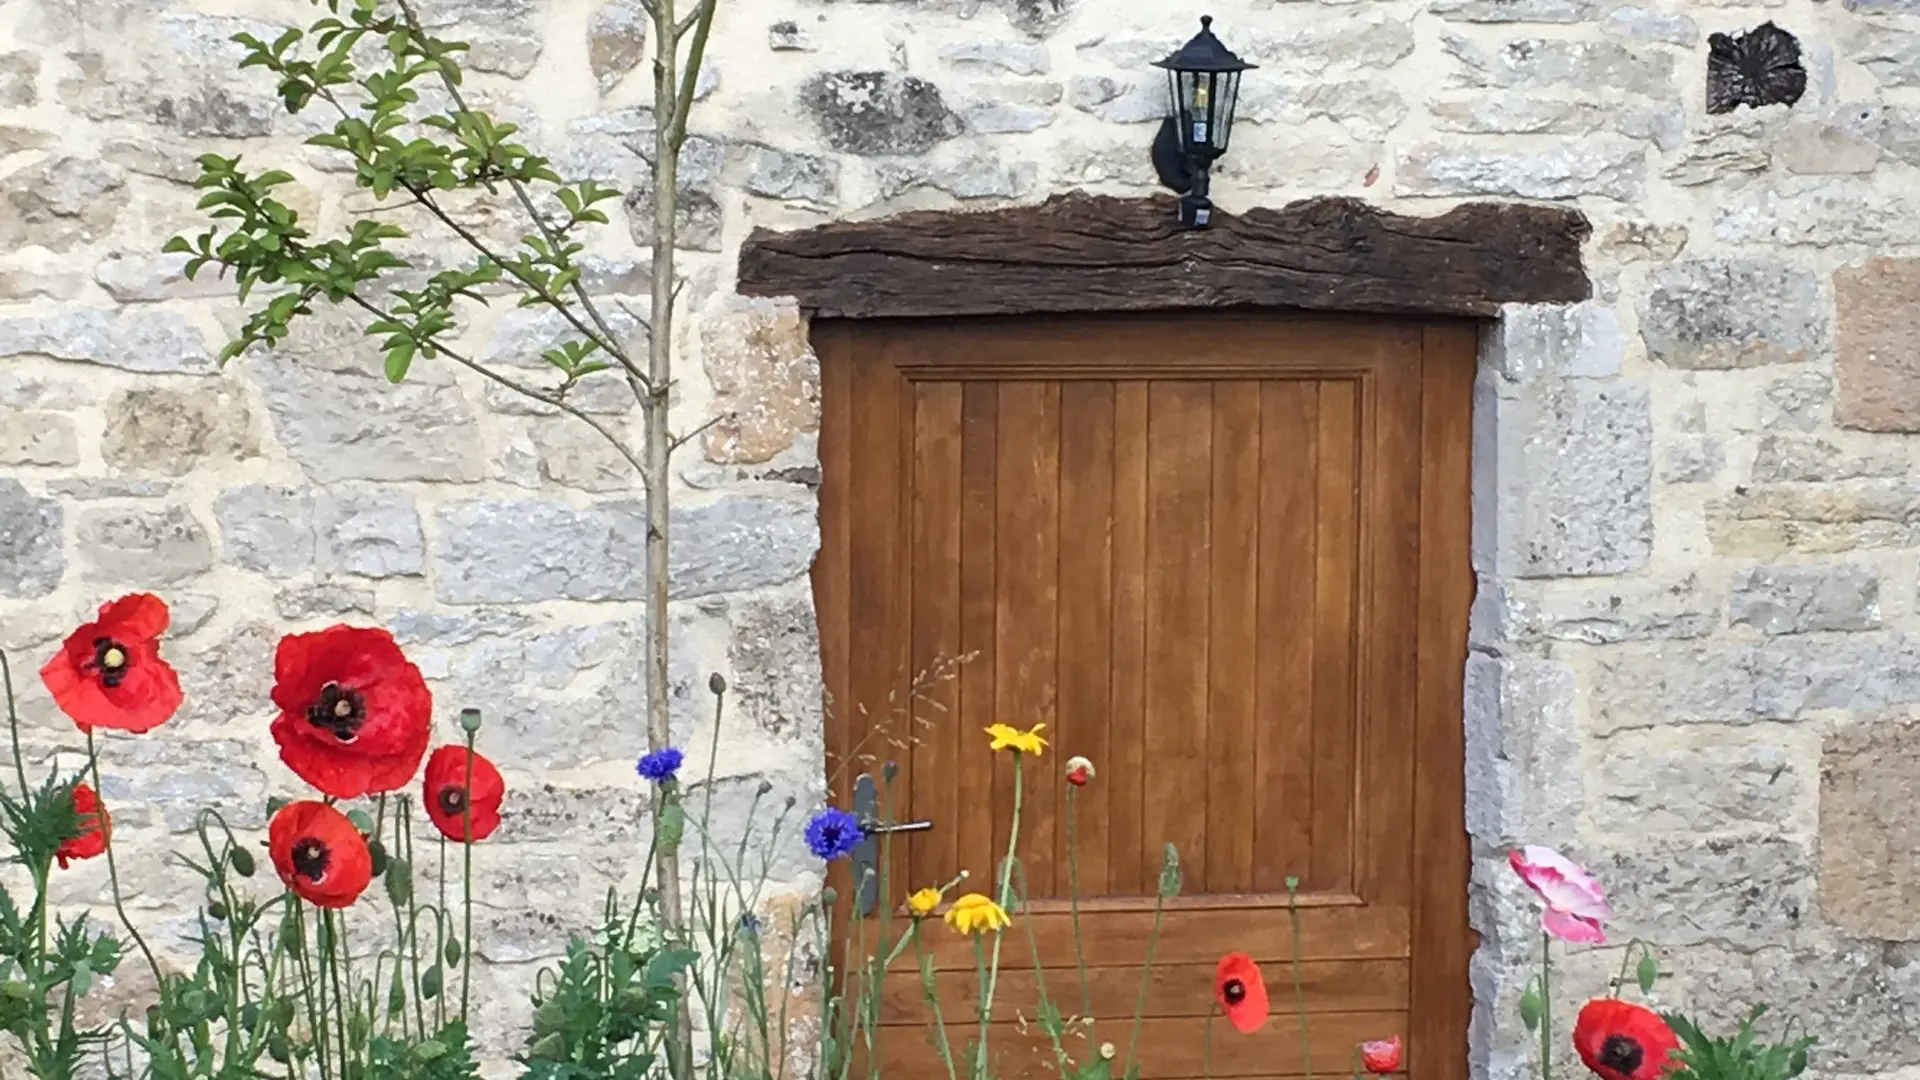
{"x":1080,"y":254}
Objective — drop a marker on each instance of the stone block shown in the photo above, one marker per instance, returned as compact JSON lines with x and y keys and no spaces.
{"x":1839,"y":140}
{"x":145,"y":341}
{"x":345,"y":427}
{"x":765,"y":377}
{"x":1018,"y":58}
{"x":1692,"y":460}
{"x":877,"y":112}
{"x":1689,"y":890}
{"x":1862,"y":998}
{"x":1869,"y":832}
{"x":1518,"y":11}
{"x":266,"y":529}
{"x":1635,"y":240}
{"x":773,"y":649}
{"x":522,"y":334}
{"x":573,"y":455}
{"x":1798,"y":599}
{"x":1889,"y":50}
{"x":19,"y":79}
{"x":1549,"y":341}
{"x":1818,"y":211}
{"x":1639,"y":24}
{"x":1615,"y":611}
{"x":1551,"y":170}
{"x":616,"y":41}
{"x":796,"y":177}
{"x":1523,"y":750}
{"x":38,"y":438}
{"x":59,"y":203}
{"x":298,"y":602}
{"x":1734,"y":313}
{"x":144,"y":546}
{"x":373,"y":533}
{"x":1813,"y":459}
{"x":1564,"y":476}
{"x":1709,"y":784}
{"x":1800,"y":674}
{"x":1551,"y":63}
{"x":964,"y":176}
{"x":169,"y":431}
{"x":1671,"y":682}
{"x":1877,"y":367}
{"x":32,"y":542}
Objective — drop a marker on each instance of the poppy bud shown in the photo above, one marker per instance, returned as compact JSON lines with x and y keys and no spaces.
{"x":399,"y":882}
{"x":717,"y":683}
{"x":216,"y":909}
{"x":1170,"y":874}
{"x":890,"y":770}
{"x":430,"y":983}
{"x":278,"y":1049}
{"x":765,"y":787}
{"x":396,"y":996}
{"x":1648,"y":971}
{"x":470,"y":720}
{"x":453,"y":950}
{"x":1530,"y":1006}
{"x":242,"y":861}
{"x":1079,"y":771}
{"x":377,"y":851}
{"x":250,"y":1015}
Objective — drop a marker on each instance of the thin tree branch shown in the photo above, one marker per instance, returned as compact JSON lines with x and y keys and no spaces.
{"x":560,"y":305}
{"x":526,"y":201}
{"x":702,"y":19}
{"x":695,"y":433}
{"x":521,"y":388}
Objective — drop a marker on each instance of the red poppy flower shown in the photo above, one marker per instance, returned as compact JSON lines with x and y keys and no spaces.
{"x":1241,"y":992}
{"x":109,"y":673}
{"x":1381,"y":1056}
{"x":319,"y":854}
{"x":355,"y":713}
{"x":96,"y":828}
{"x":449,"y":799}
{"x":1622,"y":1040}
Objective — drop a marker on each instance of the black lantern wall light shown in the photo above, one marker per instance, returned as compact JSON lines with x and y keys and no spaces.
{"x":1203,"y":79}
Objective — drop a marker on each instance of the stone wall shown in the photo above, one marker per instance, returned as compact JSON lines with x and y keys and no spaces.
{"x":1696,"y":639}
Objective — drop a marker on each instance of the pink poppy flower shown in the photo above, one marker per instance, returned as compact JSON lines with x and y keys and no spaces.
{"x":1576,"y":905}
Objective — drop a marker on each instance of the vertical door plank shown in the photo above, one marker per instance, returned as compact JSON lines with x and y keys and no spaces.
{"x":1129,"y":851}
{"x":1441,"y":997}
{"x":1384,"y":778}
{"x":979,"y":441}
{"x":1179,"y":508}
{"x":1289,"y":493}
{"x":939,"y":741}
{"x":1335,"y":589}
{"x":1086,"y":623}
{"x":1233,"y":655}
{"x":1027,"y":635}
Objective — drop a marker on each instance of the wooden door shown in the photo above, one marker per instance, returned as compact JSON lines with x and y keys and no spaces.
{"x":1225,"y":557}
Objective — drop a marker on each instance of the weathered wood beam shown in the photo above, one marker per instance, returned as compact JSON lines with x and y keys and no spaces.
{"x":1086,"y":253}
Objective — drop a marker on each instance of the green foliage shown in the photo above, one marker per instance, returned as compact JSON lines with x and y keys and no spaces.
{"x":599,"y":1019}
{"x":1743,"y":1056}
{"x":446,"y":1055}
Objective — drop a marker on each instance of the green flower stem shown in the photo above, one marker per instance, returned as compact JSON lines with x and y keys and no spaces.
{"x":466,"y":885}
{"x":440,"y":946}
{"x":1073,"y":907}
{"x":983,"y":1010}
{"x":1048,"y":1019}
{"x":113,"y":870}
{"x":1626,"y":957}
{"x":13,"y":723}
{"x":1140,"y":1007}
{"x":342,"y":1003}
{"x":1299,"y":986}
{"x":1546,"y":1006}
{"x":940,"y":1042}
{"x":1206,"y":1052}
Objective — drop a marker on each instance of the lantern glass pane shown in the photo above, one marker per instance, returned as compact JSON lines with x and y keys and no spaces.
{"x":1229,"y":93}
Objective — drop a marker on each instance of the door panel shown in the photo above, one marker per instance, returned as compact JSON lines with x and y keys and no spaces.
{"x":1222,"y":556}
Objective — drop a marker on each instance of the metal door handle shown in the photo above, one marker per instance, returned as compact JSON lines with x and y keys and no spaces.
{"x":866,"y":854}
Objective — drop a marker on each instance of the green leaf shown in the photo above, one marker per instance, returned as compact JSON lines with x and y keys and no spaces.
{"x":399,"y":359}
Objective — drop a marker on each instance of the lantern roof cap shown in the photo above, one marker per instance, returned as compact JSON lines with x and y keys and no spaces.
{"x":1204,"y":53}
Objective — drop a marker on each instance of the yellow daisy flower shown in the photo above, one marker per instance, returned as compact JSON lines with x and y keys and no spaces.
{"x":976,"y":914}
{"x":923,"y":902}
{"x":1007,"y":737}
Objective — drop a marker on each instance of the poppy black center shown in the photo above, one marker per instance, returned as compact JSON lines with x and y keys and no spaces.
{"x":339,"y":711}
{"x":1621,"y":1052}
{"x":452,"y":800}
{"x":1234,"y":991}
{"x":310,"y":858}
{"x":111,"y":658}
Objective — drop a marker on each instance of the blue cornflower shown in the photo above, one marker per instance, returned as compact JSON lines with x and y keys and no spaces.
{"x":661,"y":765}
{"x":833,"y":833}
